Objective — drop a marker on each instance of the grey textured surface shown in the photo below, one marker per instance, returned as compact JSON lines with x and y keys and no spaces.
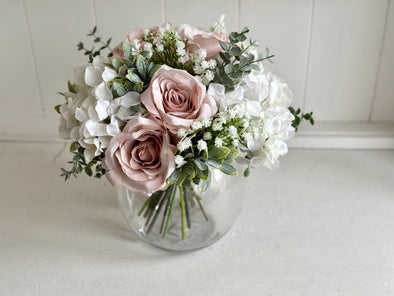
{"x":320,"y":225}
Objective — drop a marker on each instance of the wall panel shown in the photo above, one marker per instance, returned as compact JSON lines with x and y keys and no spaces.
{"x":283,"y":26}
{"x":18,"y":87}
{"x":344,"y":55}
{"x":56,"y":27}
{"x":383,"y":108}
{"x":116,"y":18}
{"x":202,"y":13}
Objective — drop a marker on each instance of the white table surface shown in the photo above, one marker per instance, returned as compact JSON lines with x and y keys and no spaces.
{"x":323,"y":224}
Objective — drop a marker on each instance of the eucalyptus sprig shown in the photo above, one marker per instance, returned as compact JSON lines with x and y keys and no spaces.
{"x":237,"y":61}
{"x":79,"y":164}
{"x":98,"y":41}
{"x":299,"y":116}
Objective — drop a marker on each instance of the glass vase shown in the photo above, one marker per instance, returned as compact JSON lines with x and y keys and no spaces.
{"x":209,"y":214}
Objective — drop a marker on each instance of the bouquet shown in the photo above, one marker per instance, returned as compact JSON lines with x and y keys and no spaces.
{"x":168,"y":105}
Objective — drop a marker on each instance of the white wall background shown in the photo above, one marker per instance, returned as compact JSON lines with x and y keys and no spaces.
{"x":336,"y":55}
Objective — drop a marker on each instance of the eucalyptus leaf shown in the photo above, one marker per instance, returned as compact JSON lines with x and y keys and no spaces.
{"x":127,"y":50}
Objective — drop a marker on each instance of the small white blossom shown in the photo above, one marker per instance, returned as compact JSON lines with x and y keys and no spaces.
{"x":201,"y":145}
{"x":233,"y":131}
{"x":218,"y":142}
{"x":180,"y":51}
{"x":183,"y":59}
{"x":209,"y":75}
{"x":179,"y":161}
{"x":148,"y":46}
{"x":181,"y":132}
{"x":198,"y":69}
{"x":196,"y":125}
{"x":206,"y":122}
{"x":159,"y":47}
{"x":207,"y":136}
{"x":217,"y":125}
{"x":184,"y":144}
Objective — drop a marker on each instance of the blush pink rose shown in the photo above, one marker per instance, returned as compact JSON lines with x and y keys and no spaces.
{"x":178,"y":98}
{"x":200,"y":39}
{"x":137,"y":33}
{"x":141,"y":157}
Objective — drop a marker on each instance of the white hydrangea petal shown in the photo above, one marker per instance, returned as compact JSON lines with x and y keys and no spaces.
{"x":81,"y":115}
{"x":92,"y":76}
{"x":254,"y":144}
{"x":102,"y":109}
{"x":130,"y":99}
{"x":75,"y":134}
{"x":109,"y":74}
{"x":113,"y":127}
{"x":102,"y":92}
{"x":92,"y":113}
{"x":124,"y":113}
{"x":95,"y":128}
{"x":89,"y":153}
{"x":79,"y":75}
{"x":253,"y":108}
{"x":215,"y":89}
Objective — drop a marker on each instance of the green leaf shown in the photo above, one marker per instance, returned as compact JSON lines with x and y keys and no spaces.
{"x":228,"y":169}
{"x":214,"y":164}
{"x":88,"y":171}
{"x":116,"y":63}
{"x":225,"y":57}
{"x":142,"y":66}
{"x":231,"y":155}
{"x":235,"y":51}
{"x":189,"y":172}
{"x":223,"y":45}
{"x":246,"y":172}
{"x":80,"y":46}
{"x":97,"y":39}
{"x":71,"y":87}
{"x":133,"y":77}
{"x":229,"y":68}
{"x":57,"y":108}
{"x":173,"y":178}
{"x":218,"y":153}
{"x":153,"y":69}
{"x":127,"y":50}
{"x":204,"y":184}
{"x":200,"y":164}
{"x":119,"y":89}
{"x":73,"y":147}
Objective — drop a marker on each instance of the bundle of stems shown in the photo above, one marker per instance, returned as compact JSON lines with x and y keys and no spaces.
{"x":164,"y":201}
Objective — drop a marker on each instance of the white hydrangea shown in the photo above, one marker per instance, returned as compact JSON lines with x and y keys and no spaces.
{"x":91,"y":116}
{"x":262,"y":99}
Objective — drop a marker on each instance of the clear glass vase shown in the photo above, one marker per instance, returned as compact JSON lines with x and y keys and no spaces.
{"x":210,"y":214}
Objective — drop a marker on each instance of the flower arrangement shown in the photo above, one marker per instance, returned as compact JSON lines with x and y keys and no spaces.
{"x":169,"y":105}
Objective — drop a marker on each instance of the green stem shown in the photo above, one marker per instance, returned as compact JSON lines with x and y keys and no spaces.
{"x":145,"y":205}
{"x":168,"y":197}
{"x":154,"y":206}
{"x":169,"y":213}
{"x":187,"y":208}
{"x":182,"y":211}
{"x":158,"y":210}
{"x":198,"y":198}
